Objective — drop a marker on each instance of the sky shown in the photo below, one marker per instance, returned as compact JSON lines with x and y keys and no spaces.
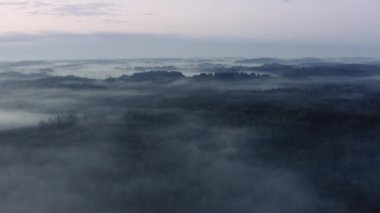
{"x":66,"y":29}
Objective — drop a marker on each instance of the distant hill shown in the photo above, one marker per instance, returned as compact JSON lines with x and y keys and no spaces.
{"x":281,"y":61}
{"x":260,"y":61}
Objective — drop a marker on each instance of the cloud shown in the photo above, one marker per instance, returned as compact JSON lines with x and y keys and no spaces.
{"x":115,"y":21}
{"x":59,"y":8}
{"x":13,"y":3}
{"x":87,"y":9}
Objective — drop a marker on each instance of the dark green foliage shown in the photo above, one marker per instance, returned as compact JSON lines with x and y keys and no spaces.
{"x":348,"y":70}
{"x":154,"y":76}
{"x":59,"y":122}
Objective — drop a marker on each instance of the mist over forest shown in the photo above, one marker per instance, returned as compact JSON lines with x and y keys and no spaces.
{"x":205,"y":135}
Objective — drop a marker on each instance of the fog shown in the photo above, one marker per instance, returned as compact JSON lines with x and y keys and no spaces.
{"x":190,"y":135}
{"x":16,"y":119}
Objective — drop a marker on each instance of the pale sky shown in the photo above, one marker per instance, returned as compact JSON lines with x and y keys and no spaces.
{"x":345,"y":24}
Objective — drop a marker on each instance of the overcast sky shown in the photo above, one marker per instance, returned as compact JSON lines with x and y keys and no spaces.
{"x":188,"y":28}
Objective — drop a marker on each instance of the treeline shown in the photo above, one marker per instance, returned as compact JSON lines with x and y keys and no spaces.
{"x":176,"y":75}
